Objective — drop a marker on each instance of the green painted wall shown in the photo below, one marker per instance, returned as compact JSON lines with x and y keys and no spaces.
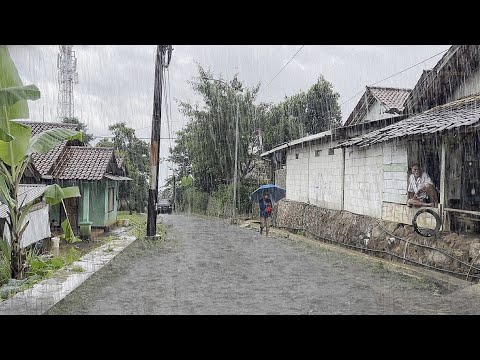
{"x":98,"y":207}
{"x":98,"y":203}
{"x":111,"y":217}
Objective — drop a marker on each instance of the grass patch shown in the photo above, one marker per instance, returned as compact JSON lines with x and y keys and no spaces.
{"x":39,"y":267}
{"x":137,"y":223}
{"x":78,"y":268}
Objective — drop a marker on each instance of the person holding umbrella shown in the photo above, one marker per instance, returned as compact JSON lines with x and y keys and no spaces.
{"x":265,"y":212}
{"x":266,"y":195}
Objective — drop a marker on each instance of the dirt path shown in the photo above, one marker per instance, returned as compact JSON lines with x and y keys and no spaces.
{"x":209,"y":267}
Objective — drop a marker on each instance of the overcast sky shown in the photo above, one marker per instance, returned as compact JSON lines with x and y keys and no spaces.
{"x":116,"y":82}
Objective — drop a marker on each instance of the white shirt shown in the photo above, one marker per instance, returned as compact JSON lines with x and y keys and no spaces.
{"x":415,"y":184}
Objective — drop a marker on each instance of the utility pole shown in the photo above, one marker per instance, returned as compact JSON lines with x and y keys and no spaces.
{"x":174,"y":192}
{"x":236,"y":167}
{"x":155,"y":140}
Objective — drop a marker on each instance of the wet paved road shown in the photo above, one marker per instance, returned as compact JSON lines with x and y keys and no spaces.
{"x":209,"y":267}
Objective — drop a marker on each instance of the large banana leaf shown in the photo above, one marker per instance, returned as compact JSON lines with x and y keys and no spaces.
{"x":54,"y":194}
{"x":6,"y":249}
{"x":11,"y":95}
{"x":14,"y":151}
{"x":68,"y":231}
{"x":13,"y":105}
{"x":5,"y":193}
{"x":9,"y":78}
{"x":45,"y":141}
{"x":5,"y":136}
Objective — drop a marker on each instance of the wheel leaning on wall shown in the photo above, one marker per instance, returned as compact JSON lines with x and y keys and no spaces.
{"x":427,"y":232}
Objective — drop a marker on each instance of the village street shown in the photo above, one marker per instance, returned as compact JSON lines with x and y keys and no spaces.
{"x":207,"y":266}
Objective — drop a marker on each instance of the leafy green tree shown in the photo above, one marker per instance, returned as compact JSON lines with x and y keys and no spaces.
{"x":300,"y":115}
{"x":205,"y":149}
{"x":16,"y":148}
{"x":105,"y":143}
{"x":135,"y":153}
{"x":80,"y":127}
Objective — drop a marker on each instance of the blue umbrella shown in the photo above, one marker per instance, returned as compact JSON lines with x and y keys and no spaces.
{"x":275,"y":193}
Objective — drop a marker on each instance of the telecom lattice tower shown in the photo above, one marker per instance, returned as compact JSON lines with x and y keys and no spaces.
{"x":67,"y":77}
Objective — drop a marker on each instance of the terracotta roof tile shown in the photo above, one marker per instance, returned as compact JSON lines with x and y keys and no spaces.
{"x":83,"y":163}
{"x":38,"y":127}
{"x":390,"y":97}
{"x":44,"y":162}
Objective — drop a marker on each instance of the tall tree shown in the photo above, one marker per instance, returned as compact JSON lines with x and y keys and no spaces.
{"x":135,"y":153}
{"x":300,"y":115}
{"x":205,"y":149}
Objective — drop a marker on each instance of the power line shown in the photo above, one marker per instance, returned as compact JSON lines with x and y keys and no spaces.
{"x":167,"y":108}
{"x":141,"y":138}
{"x":284,"y":66}
{"x":361,"y":91}
{"x":343,"y":58}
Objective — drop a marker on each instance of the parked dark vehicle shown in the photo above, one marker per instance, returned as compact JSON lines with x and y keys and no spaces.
{"x":164,"y":206}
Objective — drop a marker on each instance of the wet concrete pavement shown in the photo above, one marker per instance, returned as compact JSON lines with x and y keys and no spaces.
{"x":207,"y":266}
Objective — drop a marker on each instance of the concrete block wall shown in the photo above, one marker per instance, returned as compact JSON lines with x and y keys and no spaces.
{"x":373,"y":176}
{"x":364,"y":180}
{"x":403,"y":214}
{"x":315,"y":179}
{"x":325,"y":177}
{"x":395,"y":172}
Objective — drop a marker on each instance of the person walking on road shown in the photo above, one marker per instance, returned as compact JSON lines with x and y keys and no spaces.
{"x":265,"y":212}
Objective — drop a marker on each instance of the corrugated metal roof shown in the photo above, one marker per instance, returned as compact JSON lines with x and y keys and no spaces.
{"x":116,"y":177}
{"x":311,"y":137}
{"x":463,"y":112}
{"x":26,"y":193}
{"x":298,"y":141}
{"x":274,"y":149}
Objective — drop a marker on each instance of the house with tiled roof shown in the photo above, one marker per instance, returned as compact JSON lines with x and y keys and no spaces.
{"x":441,"y":134}
{"x":95,"y":170}
{"x":378,"y":103}
{"x":363,"y":167}
{"x":350,"y":185}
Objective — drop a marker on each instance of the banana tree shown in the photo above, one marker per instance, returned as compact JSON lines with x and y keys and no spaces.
{"x":16,"y":148}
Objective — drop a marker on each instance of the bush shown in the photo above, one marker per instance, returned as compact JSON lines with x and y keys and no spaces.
{"x":4,"y":269}
{"x":5,"y":252}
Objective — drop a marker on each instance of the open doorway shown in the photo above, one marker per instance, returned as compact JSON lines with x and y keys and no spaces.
{"x":72,"y":205}
{"x":426,"y":152}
